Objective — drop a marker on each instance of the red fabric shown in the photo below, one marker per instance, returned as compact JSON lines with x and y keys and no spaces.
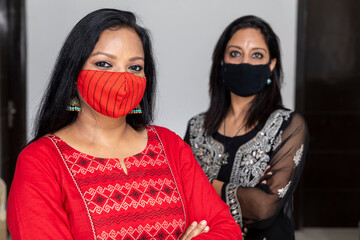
{"x":54,"y":198}
{"x":113,"y":94}
{"x":201,"y":200}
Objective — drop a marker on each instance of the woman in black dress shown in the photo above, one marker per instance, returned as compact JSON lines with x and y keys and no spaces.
{"x":251,"y":148}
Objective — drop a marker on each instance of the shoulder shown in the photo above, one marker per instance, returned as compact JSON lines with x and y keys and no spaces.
{"x":43,"y":144}
{"x":40,"y":151}
{"x":166,"y":136}
{"x":283,"y":113}
{"x":196,"y":124}
{"x":197,"y":118}
{"x":297,"y":118}
{"x":173,"y":144}
{"x":163,"y":131}
{"x":297,"y":125}
{"x":290,"y":116}
{"x":287,"y":119}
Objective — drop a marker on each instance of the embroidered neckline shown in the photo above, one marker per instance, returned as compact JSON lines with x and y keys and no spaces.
{"x":209,"y":151}
{"x":58,"y":139}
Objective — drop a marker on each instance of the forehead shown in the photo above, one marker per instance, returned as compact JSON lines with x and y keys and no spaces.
{"x":123,"y":38}
{"x":248,"y":37}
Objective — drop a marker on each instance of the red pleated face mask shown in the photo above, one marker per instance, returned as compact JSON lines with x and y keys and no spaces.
{"x":113,"y":94}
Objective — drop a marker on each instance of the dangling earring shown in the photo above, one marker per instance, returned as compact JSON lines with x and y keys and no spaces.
{"x":74,"y":103}
{"x":268,"y":81}
{"x":137,"y":110}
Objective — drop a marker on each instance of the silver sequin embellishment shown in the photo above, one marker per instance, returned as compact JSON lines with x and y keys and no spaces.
{"x":298,"y":155}
{"x":282,"y":191}
{"x":252,"y":157}
{"x":277,"y":141}
{"x":250,"y":160}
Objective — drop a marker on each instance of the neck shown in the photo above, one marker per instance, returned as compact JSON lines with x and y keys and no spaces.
{"x":96,"y":127}
{"x":239,"y":106}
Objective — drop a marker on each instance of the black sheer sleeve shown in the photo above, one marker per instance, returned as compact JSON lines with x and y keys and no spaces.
{"x":258,"y":206}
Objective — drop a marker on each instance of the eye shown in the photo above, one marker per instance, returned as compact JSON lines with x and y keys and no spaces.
{"x":257,"y":55}
{"x":235,"y":54}
{"x":136,"y":68}
{"x":103,"y":64}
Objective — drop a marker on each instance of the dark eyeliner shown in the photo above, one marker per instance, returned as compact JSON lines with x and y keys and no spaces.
{"x":136,"y":66}
{"x":103,"y":64}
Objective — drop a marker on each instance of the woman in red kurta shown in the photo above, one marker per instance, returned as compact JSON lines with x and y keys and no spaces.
{"x":61,"y":193}
{"x":99,"y":170}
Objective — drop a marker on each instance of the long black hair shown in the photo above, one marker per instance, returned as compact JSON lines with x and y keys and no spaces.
{"x":78,"y":46}
{"x":266,"y":101}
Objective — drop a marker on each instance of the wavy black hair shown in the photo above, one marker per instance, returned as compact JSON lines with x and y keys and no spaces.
{"x":78,"y":46}
{"x":266,"y":101}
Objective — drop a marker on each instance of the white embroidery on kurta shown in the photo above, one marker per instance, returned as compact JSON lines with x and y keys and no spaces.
{"x":282,"y":191}
{"x":298,"y":155}
{"x":277,"y":140}
{"x":233,"y":202}
{"x":251,"y":158}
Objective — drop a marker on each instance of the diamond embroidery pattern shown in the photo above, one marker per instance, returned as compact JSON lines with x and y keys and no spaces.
{"x":144,"y":204}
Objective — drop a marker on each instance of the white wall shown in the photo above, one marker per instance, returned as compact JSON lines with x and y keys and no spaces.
{"x":184,"y":34}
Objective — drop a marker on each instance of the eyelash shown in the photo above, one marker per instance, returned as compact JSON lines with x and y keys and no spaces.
{"x":102,"y":64}
{"x":256,"y":55}
{"x":234,"y":53}
{"x":136,"y":68}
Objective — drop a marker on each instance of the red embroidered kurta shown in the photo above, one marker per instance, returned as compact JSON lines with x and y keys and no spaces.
{"x":61,"y":193}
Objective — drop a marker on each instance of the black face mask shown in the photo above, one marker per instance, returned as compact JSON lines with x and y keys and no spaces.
{"x":245,"y":79}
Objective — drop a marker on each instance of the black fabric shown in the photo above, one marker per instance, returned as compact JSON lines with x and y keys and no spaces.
{"x":245,"y":79}
{"x":231,"y":145}
{"x":281,"y":229}
{"x":264,"y":213}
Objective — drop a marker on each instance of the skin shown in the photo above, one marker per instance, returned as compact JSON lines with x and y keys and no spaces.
{"x":245,"y":46}
{"x":117,"y":50}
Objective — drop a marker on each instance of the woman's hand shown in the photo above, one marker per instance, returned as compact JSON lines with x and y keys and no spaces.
{"x":263,"y":175}
{"x":195,"y":229}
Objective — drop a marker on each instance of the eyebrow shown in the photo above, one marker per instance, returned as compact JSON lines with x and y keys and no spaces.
{"x":136,"y":58}
{"x":114,"y":57}
{"x":102,"y":53}
{"x":234,"y":46}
